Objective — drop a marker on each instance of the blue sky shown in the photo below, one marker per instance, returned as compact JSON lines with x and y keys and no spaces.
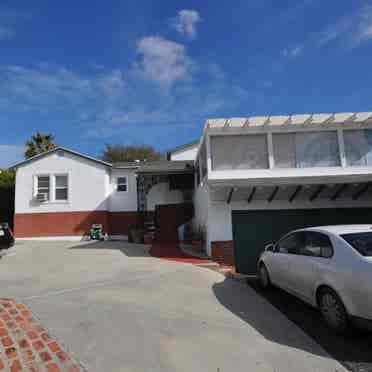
{"x":152,"y":72}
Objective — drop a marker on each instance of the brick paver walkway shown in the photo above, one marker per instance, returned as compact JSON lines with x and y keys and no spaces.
{"x":26,"y":346}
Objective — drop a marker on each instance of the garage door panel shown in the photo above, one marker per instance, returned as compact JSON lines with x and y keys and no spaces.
{"x":253,"y":229}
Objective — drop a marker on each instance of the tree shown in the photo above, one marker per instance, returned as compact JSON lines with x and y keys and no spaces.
{"x":118,"y":153}
{"x":6,"y":179}
{"x":38,"y":144}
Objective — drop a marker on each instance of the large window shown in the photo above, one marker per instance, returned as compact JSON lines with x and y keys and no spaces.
{"x":239,"y":152}
{"x":358,"y":147}
{"x":306,"y":150}
{"x":43,"y":188}
{"x":61,"y":190}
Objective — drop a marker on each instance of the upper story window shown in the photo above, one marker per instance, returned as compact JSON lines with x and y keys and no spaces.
{"x":239,"y":152}
{"x":306,"y":150}
{"x":358,"y":147}
{"x":61,"y":187}
{"x":122,"y":184}
{"x":43,"y":188}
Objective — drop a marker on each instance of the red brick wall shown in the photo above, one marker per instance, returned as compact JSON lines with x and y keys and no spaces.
{"x":71,"y":223}
{"x":223,"y":252}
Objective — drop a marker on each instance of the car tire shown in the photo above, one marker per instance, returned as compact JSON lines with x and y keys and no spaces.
{"x":333,"y":311}
{"x":264,"y":277}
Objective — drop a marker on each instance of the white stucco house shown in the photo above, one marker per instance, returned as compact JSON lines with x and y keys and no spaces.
{"x":252,"y":180}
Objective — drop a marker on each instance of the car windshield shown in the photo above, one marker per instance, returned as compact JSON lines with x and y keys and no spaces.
{"x":362,"y":242}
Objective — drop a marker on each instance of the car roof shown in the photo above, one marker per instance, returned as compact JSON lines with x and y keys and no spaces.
{"x":340,"y":229}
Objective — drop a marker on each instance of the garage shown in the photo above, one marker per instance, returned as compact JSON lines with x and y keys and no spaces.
{"x":253,"y":229}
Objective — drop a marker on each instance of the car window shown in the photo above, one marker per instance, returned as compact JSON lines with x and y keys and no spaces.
{"x":291,"y":244}
{"x":317,"y":245}
{"x":362,"y":242}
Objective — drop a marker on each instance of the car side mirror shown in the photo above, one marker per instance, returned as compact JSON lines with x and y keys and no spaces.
{"x":270,"y":247}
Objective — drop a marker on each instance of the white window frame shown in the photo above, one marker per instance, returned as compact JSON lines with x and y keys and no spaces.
{"x":55,"y":187}
{"x":52,"y":187}
{"x":36,"y":186}
{"x":121,"y":183}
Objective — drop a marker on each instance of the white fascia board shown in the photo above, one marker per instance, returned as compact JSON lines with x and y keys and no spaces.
{"x":324,"y":175}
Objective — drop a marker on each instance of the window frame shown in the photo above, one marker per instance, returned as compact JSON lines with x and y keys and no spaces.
{"x":277,"y":249}
{"x":118,"y":184}
{"x":323,"y":235}
{"x":67,"y":187}
{"x":37,"y":188}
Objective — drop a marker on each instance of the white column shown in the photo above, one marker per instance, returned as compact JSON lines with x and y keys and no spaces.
{"x":52,"y":185}
{"x":270,"y":150}
{"x":208,"y":148}
{"x":341,"y":147}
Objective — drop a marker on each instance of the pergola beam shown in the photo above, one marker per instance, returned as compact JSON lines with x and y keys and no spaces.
{"x":251,"y":195}
{"x":361,"y":191}
{"x":273,"y":194}
{"x":338,"y":192}
{"x":316,"y":193}
{"x":295,"y":193}
{"x":230,"y":195}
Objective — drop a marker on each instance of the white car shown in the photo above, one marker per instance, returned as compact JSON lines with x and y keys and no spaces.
{"x":329,"y":267}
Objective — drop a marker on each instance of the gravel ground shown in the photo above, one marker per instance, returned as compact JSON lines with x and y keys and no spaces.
{"x":354,"y":350}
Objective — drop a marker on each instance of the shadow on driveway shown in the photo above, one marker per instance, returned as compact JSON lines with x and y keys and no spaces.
{"x":128,"y":249}
{"x":354,"y":351}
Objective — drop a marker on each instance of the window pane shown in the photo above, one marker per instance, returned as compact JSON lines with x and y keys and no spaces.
{"x":239,"y":152}
{"x":317,"y":245}
{"x":61,"y":194}
{"x":358,"y":147}
{"x":43,"y":181}
{"x":292,"y":244}
{"x":284,"y":150}
{"x":61,"y":181}
{"x":317,"y":149}
{"x":122,"y":188}
{"x":362,"y":242}
{"x":122,"y":180}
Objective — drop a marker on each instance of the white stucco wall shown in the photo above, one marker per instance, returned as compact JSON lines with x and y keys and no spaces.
{"x":160,"y":194}
{"x":188,"y":153}
{"x":201,"y":212}
{"x":123,"y":201}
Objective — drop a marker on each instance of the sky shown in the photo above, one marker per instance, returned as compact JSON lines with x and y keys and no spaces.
{"x":151,"y":72}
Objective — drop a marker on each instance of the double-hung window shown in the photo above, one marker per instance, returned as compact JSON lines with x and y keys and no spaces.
{"x":61,"y":187}
{"x":122,"y":184}
{"x":43,"y":188}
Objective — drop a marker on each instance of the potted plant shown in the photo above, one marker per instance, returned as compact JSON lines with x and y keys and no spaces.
{"x":197,"y":239}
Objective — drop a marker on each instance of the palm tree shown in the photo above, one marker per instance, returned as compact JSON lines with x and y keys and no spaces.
{"x":38,"y":144}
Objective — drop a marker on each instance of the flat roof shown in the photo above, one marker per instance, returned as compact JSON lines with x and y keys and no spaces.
{"x":166,"y":166}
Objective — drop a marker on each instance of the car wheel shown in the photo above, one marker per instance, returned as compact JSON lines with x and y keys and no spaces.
{"x":333,"y":311}
{"x":264,"y":277}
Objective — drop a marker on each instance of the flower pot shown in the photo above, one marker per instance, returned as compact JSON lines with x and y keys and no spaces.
{"x":197,"y":245}
{"x":148,"y":238}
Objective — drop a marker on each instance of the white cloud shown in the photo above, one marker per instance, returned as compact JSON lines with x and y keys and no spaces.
{"x":350,"y":30}
{"x":10,"y":154}
{"x":163,"y":61}
{"x":292,"y":52}
{"x":186,"y":21}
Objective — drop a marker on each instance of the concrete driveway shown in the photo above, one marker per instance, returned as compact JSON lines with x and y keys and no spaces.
{"x":116,"y":309}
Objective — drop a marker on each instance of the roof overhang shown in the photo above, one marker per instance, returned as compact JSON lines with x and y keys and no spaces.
{"x":166,"y":167}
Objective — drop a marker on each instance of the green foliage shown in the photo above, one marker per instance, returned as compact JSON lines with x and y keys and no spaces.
{"x":38,"y":144}
{"x":121,"y":153}
{"x":7,"y":179}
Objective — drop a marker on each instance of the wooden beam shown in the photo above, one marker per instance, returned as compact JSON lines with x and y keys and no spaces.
{"x":251,"y":195}
{"x":273,"y":194}
{"x":230,"y":195}
{"x":316,"y":193}
{"x":361,"y":191}
{"x":338,"y":192}
{"x":296,"y":192}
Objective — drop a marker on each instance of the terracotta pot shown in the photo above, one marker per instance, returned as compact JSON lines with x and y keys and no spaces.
{"x":148,"y":239}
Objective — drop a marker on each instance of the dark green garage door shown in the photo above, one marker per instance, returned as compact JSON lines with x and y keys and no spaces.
{"x":253,"y":229}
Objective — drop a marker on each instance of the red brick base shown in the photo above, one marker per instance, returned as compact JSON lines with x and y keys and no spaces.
{"x":223,"y":252}
{"x":28,"y":225}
